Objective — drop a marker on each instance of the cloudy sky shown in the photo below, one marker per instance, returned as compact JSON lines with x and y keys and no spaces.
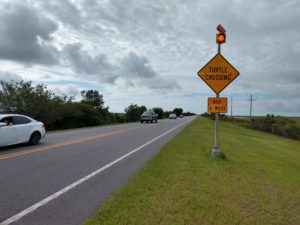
{"x":149,"y":52}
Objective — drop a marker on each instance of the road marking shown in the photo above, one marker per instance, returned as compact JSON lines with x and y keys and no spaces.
{"x":80,"y":181}
{"x":76,"y":130}
{"x":79,"y":140}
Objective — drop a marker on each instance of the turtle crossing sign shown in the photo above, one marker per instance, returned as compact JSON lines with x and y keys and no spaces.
{"x":218,"y":73}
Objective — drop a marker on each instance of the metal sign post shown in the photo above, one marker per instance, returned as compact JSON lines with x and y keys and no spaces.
{"x":218,"y":73}
{"x":216,"y":151}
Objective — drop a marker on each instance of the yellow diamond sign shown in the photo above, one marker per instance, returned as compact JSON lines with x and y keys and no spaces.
{"x":218,"y":73}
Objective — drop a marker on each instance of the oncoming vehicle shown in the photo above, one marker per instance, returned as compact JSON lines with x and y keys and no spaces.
{"x":17,"y":129}
{"x":172,"y":116}
{"x":149,"y":116}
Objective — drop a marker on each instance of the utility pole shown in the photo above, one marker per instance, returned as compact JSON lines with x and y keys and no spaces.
{"x":231,"y":107}
{"x":251,"y":100}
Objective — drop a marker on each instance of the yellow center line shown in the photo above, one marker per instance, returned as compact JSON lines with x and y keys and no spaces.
{"x":79,"y":140}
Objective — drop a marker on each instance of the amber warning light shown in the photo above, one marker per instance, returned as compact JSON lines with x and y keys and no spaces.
{"x":221,"y":36}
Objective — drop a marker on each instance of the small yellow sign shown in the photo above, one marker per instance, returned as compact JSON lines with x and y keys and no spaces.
{"x":218,"y":73}
{"x":217,"y":105}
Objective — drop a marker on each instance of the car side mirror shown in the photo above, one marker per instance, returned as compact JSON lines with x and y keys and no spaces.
{"x":2,"y":125}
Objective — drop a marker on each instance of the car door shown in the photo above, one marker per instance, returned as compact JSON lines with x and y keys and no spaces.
{"x":8,"y":134}
{"x":22,"y":126}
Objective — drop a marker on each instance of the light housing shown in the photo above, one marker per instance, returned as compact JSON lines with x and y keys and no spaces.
{"x":221,"y":38}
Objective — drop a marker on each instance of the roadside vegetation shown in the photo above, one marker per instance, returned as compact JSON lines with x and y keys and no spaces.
{"x":296,"y":119}
{"x":60,"y":112}
{"x":278,"y":125}
{"x":257,"y":182}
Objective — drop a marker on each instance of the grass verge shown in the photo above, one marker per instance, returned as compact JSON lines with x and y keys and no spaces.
{"x":258,"y":181}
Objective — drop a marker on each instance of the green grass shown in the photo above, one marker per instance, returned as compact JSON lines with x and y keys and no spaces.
{"x":257,"y":183}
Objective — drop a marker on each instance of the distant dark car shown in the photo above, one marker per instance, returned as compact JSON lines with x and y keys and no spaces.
{"x":149,"y":116}
{"x":181,"y":116}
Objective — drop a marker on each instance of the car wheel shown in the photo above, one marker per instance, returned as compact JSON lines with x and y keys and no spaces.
{"x":142,"y":121}
{"x":35,"y":138}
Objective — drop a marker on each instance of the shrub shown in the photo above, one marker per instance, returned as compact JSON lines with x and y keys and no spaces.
{"x":292,"y":131}
{"x":278,"y":130}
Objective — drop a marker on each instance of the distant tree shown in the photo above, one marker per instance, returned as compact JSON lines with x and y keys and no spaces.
{"x":292,"y":131}
{"x":167,"y":113}
{"x":205,"y":114}
{"x":120,"y":117}
{"x":178,"y":111}
{"x":93,"y":98}
{"x":159,"y":111}
{"x":133,"y":112}
{"x":75,"y":114}
{"x":35,"y":101}
{"x":190,"y":114}
{"x":57,"y":112}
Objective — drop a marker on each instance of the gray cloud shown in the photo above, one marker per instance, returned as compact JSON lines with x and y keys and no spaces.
{"x":92,"y":66}
{"x":69,"y":90}
{"x":158,"y":16}
{"x":65,"y":11}
{"x":138,"y":68}
{"x":277,"y":106}
{"x":9,"y":77}
{"x":25,"y":35}
{"x":72,"y":90}
{"x":171,"y":41}
{"x":47,"y":77}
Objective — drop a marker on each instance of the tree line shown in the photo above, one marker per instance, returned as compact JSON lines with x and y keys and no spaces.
{"x":63,"y":112}
{"x":278,"y":125}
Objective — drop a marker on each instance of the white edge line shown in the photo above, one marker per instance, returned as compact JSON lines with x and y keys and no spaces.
{"x":34,"y":207}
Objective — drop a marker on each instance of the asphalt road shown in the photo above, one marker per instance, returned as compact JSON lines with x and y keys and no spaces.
{"x":70,"y":174}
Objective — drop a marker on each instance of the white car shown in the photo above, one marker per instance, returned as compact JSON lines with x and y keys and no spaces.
{"x":172,"y":116}
{"x":16,"y":129}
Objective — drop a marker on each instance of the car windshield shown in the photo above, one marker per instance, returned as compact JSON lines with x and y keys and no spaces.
{"x":146,"y":113}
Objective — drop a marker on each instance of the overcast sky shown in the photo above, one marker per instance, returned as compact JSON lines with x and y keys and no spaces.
{"x":149,"y":52}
